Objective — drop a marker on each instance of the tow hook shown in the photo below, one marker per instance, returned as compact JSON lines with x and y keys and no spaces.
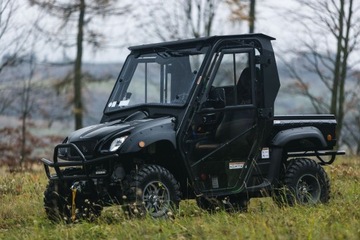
{"x":74,"y":188}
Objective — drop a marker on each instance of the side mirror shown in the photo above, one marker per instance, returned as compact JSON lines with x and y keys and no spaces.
{"x":216,"y":98}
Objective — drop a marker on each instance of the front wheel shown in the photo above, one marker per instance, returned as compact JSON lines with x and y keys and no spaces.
{"x":61,"y":205}
{"x":305,"y":182}
{"x":153,"y":191}
{"x":56,"y":203}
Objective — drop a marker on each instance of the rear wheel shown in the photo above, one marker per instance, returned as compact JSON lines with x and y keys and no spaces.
{"x":153,"y":191}
{"x":305,"y":182}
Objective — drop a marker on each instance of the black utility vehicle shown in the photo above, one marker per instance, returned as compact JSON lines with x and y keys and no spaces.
{"x":192,"y":119}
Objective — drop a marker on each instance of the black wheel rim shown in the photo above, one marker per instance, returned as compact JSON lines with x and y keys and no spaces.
{"x":156,"y":198}
{"x":308,"y":189}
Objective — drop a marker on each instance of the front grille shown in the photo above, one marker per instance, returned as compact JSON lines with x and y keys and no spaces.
{"x":86,"y":147}
{"x":70,"y":153}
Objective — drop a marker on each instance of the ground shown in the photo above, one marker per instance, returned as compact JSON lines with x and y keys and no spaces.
{"x":22,"y":215}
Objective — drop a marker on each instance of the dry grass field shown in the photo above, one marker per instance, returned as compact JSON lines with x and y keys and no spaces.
{"x":22,"y":215}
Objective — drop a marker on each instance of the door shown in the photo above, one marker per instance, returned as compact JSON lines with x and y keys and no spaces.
{"x":221,"y":134}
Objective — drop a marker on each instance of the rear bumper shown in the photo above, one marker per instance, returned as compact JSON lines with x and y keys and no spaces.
{"x":319,"y":155}
{"x":80,"y":162}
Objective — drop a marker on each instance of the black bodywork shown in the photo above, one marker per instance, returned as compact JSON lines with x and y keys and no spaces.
{"x":204,"y":110}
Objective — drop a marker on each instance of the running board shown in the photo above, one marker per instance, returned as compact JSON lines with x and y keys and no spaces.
{"x":265,"y":185}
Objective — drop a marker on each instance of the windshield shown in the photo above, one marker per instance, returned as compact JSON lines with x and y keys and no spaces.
{"x":163,"y":78}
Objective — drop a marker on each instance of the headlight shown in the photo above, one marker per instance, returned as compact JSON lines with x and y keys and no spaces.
{"x":63,"y":152}
{"x":117,"y":143}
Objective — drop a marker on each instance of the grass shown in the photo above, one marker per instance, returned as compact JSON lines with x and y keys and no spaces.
{"x":22,"y":215}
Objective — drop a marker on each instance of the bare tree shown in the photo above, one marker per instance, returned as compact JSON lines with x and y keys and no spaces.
{"x":200,"y":16}
{"x":78,"y":15}
{"x":331,"y":36}
{"x":180,"y":19}
{"x":14,"y":39}
{"x":351,"y":128}
{"x":26,"y":106}
{"x":20,"y":75}
{"x":7,"y":9}
{"x":13,"y":34}
{"x":243,"y":10}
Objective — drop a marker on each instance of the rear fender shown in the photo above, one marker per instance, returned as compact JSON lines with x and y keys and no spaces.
{"x":293,"y":134}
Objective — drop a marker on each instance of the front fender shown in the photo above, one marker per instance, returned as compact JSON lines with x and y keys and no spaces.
{"x":148,"y":136}
{"x":293,"y":134}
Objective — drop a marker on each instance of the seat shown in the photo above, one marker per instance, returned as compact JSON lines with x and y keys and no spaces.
{"x":243,"y":87}
{"x":231,"y":125}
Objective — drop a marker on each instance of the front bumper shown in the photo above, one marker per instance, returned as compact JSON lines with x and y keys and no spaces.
{"x":81,"y":162}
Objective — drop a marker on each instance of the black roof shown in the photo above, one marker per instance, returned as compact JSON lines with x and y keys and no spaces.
{"x":202,"y":40}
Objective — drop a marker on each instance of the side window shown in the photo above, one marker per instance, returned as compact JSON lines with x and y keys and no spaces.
{"x":234,"y":76}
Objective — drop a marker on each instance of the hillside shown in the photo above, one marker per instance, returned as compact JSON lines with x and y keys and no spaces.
{"x":96,"y":90}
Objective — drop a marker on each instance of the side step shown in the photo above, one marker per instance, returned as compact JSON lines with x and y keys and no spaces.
{"x":265,"y":185}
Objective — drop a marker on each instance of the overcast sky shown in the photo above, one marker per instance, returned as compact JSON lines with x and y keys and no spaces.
{"x":122,"y":32}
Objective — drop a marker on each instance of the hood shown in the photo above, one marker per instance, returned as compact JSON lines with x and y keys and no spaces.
{"x":105,"y":130}
{"x":98,"y":131}
{"x":90,"y":140}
